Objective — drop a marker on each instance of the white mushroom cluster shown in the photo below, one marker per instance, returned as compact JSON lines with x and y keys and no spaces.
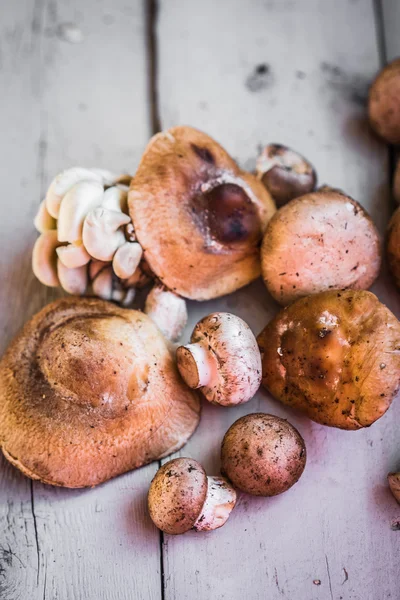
{"x":87,"y":239}
{"x":87,"y":245}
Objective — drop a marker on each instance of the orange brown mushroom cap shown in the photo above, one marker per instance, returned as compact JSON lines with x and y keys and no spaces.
{"x":88,"y":391}
{"x":384,"y":103}
{"x":335,"y":356}
{"x":198,"y":217}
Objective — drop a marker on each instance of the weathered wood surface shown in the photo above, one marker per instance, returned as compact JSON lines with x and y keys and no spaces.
{"x":248,"y":73}
{"x":73,"y":77}
{"x":297,"y":73}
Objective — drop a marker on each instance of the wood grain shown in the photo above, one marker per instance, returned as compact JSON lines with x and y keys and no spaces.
{"x":74,"y":91}
{"x":296,"y":73}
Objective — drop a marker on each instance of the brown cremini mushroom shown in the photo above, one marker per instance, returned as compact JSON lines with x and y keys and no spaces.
{"x":393,"y":246}
{"x":384,"y":103}
{"x":285,"y":173}
{"x":198,"y":217}
{"x":222,"y":360}
{"x":320,"y":241}
{"x":263,"y":455}
{"x":88,"y":391}
{"x":394,"y":484}
{"x":182,"y":497}
{"x":335,"y":356}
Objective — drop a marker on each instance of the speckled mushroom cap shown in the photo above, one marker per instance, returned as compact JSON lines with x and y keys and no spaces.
{"x":320,"y":241}
{"x":177,"y":495}
{"x":384,"y":103}
{"x":335,"y":356}
{"x":89,"y":391}
{"x":235,"y":359}
{"x":262,"y":454}
{"x":198,"y":217}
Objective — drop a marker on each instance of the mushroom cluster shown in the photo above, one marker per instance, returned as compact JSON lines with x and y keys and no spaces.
{"x":87,"y":237}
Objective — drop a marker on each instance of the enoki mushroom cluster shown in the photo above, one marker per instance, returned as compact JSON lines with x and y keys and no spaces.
{"x":87,"y":240}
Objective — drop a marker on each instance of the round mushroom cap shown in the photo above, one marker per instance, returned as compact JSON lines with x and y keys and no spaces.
{"x":231,"y":340}
{"x":285,"y":173}
{"x":263,"y":455}
{"x":393,"y":246}
{"x":198,"y":217}
{"x":324,"y":240}
{"x":335,"y":356}
{"x":384,"y":103}
{"x":177,"y":495}
{"x":88,"y":391}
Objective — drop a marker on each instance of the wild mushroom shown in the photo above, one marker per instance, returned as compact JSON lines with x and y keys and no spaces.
{"x":394,"y":484}
{"x":126,"y":259}
{"x":167,"y":310}
{"x":182,"y":497}
{"x":222,"y":360}
{"x":285,"y":173}
{"x":73,"y":255}
{"x":334,"y":356}
{"x":198,"y":217}
{"x":72,"y":280}
{"x":320,"y":241}
{"x":75,"y":205}
{"x":102,"y":232}
{"x":384,"y":105}
{"x":89,"y":391}
{"x":44,"y":258}
{"x":43,"y":220}
{"x":393,"y":246}
{"x":263,"y":455}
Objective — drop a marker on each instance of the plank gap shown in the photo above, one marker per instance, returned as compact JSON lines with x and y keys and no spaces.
{"x":152,"y":49}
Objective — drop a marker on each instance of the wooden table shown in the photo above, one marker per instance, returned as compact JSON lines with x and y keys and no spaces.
{"x":87,"y":83}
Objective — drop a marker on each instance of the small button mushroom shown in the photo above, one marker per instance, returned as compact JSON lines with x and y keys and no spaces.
{"x":127,"y":259}
{"x":102,"y":233}
{"x":394,"y":484}
{"x":44,"y":258}
{"x":222,"y":360}
{"x":167,"y":310}
{"x":285,"y":173}
{"x":74,"y":281}
{"x":73,"y":255}
{"x":383,"y":103}
{"x":263,"y":455}
{"x":75,"y":205}
{"x":182,"y":497}
{"x":320,"y":241}
{"x":43,"y":220}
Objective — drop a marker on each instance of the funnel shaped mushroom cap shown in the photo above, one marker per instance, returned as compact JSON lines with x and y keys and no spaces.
{"x":89,"y":391}
{"x":335,"y":356}
{"x":177,"y":495}
{"x":198,"y":217}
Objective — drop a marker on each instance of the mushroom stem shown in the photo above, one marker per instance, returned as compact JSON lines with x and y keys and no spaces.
{"x":167,"y":310}
{"x":219,"y":503}
{"x":197,"y":365}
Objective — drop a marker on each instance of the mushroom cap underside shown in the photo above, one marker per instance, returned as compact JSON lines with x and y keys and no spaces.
{"x":89,"y":391}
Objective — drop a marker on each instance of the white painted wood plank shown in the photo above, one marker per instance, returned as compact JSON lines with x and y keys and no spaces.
{"x":334,"y":525}
{"x":74,"y":91}
{"x":391,"y":23}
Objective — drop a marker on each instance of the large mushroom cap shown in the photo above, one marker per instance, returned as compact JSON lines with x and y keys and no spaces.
{"x":198,"y":217}
{"x":89,"y":391}
{"x":334,"y":356}
{"x":177,"y":495}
